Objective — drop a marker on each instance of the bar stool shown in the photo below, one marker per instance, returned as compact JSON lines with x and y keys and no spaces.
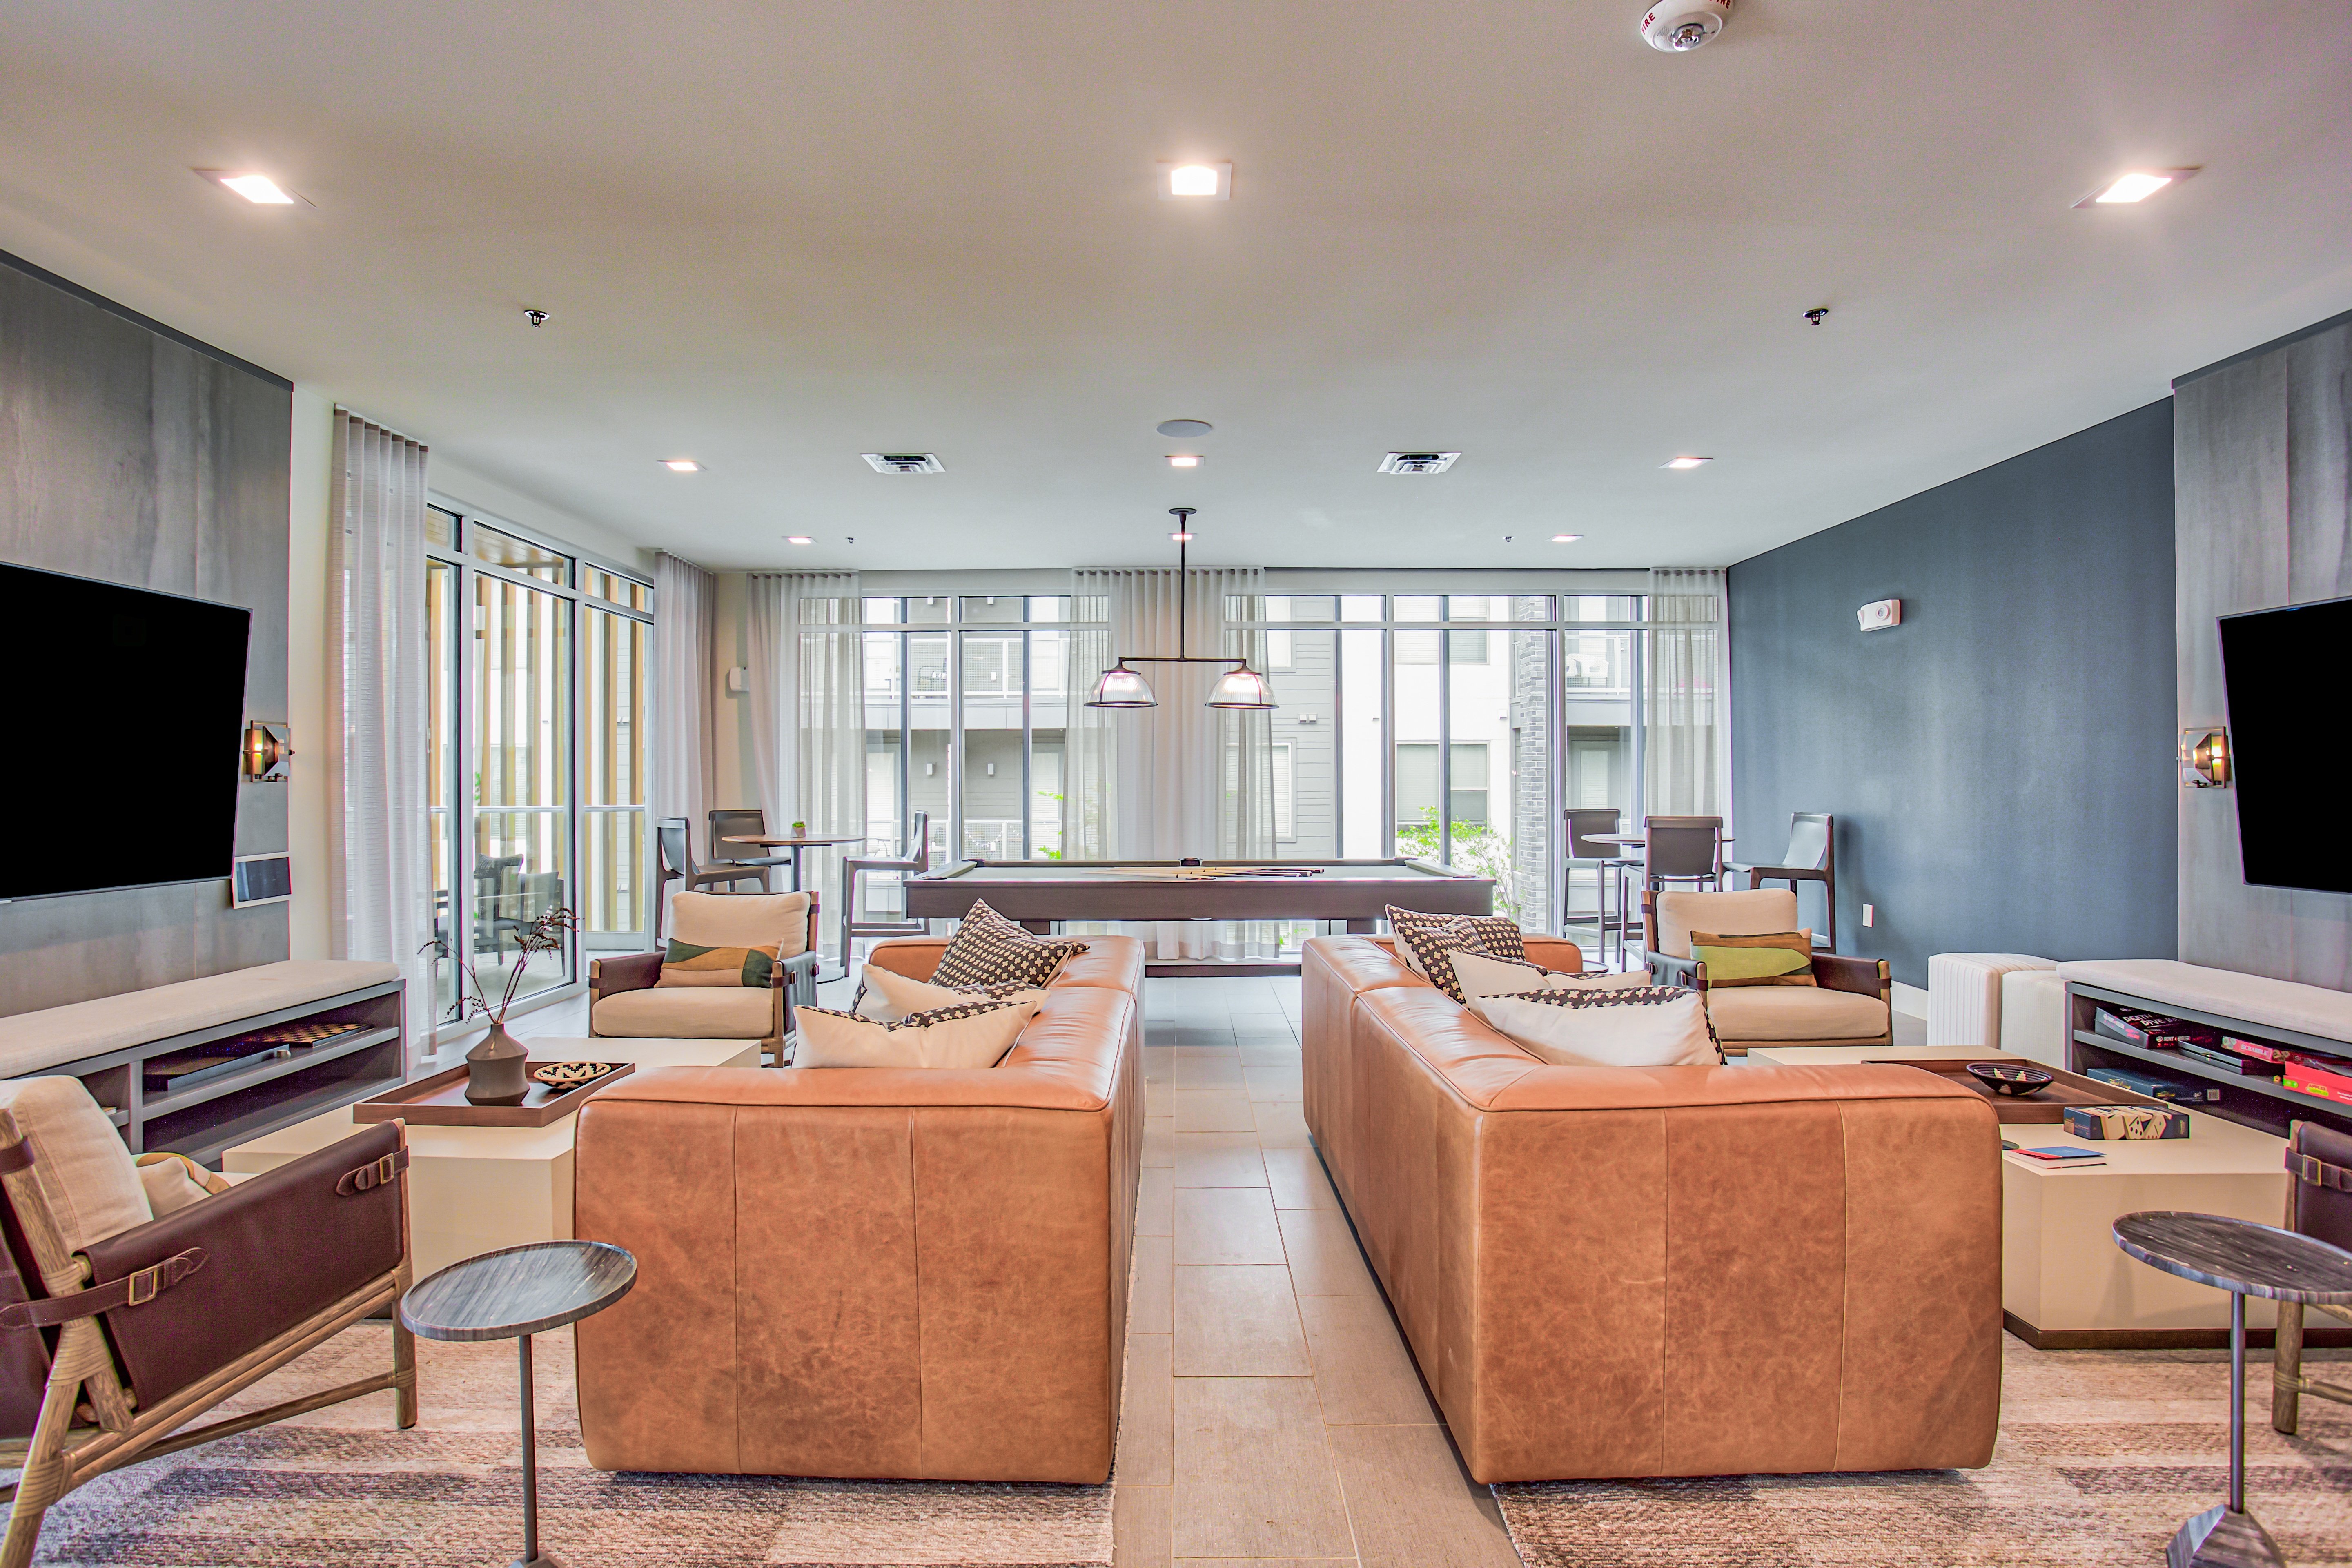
{"x":750,"y":822}
{"x":1682,"y":849}
{"x":671,"y":833}
{"x":1608,"y":862}
{"x":918,"y":860}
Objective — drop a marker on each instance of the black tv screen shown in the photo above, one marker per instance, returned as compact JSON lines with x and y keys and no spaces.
{"x":2286,"y":743}
{"x":128,"y":712}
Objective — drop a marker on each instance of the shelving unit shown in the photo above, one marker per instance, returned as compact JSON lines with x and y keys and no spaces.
{"x":2251,"y":1101}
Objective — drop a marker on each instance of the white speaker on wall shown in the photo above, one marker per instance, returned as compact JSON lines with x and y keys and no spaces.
{"x":1877,"y":617}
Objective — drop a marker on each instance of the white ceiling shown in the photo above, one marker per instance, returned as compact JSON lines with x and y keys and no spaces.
{"x":775,"y":236}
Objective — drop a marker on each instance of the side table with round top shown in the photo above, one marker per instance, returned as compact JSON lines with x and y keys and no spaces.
{"x":514,"y":1293}
{"x":2245,"y":1260}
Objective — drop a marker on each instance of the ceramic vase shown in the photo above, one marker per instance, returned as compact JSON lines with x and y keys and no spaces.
{"x":497,"y":1069}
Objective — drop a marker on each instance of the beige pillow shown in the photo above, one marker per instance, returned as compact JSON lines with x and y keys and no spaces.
{"x":173,"y":1181}
{"x":79,"y":1162}
{"x":971,"y":1034}
{"x":887,"y":996}
{"x":1481,"y":975}
{"x":1665,"y":1026}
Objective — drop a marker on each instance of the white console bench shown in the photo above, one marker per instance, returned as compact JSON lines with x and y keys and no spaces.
{"x":194,"y":1066}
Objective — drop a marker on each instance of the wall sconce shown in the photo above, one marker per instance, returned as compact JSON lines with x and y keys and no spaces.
{"x":266,"y":752}
{"x":2205,"y":758}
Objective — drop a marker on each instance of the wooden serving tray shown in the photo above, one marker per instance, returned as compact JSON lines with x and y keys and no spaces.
{"x":440,"y":1101}
{"x":2047,"y":1106}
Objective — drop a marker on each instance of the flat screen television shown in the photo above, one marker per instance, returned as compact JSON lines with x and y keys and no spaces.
{"x":127,"y":712}
{"x":2286,"y":743}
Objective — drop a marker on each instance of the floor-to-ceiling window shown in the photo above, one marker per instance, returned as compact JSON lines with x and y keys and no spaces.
{"x":536,"y":704}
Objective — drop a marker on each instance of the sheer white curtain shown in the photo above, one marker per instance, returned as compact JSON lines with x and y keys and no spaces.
{"x":1686,"y":736}
{"x":379,"y":873}
{"x":685,"y":651}
{"x":1091,"y":743}
{"x":808,"y":693}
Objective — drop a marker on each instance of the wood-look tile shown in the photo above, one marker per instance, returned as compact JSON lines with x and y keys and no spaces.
{"x":1140,"y":1517}
{"x":1159,"y":1065}
{"x":1254,"y":1475}
{"x":1237,"y":1322}
{"x":1159,"y":1143}
{"x":1281,"y":1126}
{"x":1147,"y":1423}
{"x":1410,"y":1503}
{"x":1148,"y":1307}
{"x":1216,"y":1159}
{"x":1213,"y":1111}
{"x":1160,"y":1098}
{"x":1362,"y":1370}
{"x":1154,"y":1210}
{"x":1226,"y":1226}
{"x":1324,"y":1258}
{"x":1277,"y":1084}
{"x":1298,"y":1179}
{"x":1211,"y":1068}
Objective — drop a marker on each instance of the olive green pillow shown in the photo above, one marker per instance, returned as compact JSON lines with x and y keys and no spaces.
{"x":687,"y":964}
{"x":1775,"y":958}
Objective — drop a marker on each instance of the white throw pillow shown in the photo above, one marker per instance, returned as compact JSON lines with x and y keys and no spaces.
{"x":887,"y":996}
{"x":1651,"y":1026}
{"x":971,"y":1034}
{"x":1480,"y":975}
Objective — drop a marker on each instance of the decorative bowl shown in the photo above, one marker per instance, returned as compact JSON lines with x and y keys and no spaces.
{"x":569,"y":1075}
{"x":2009,"y":1078}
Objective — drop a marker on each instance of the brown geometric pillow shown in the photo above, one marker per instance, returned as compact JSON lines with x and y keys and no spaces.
{"x":1429,"y":940}
{"x":988,"y":949}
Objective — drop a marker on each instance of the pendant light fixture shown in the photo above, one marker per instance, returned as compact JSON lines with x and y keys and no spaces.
{"x":1239,"y":688}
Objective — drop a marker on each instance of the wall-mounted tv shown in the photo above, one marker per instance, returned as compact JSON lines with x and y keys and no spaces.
{"x":2286,"y":743}
{"x":126,"y":708}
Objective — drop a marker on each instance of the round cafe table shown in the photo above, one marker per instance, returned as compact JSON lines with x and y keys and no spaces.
{"x":514,"y":1293}
{"x":2245,"y":1260}
{"x":797,"y":846}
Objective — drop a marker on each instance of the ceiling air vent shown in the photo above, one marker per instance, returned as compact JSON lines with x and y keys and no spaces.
{"x":1418,"y":462}
{"x":905,"y":462}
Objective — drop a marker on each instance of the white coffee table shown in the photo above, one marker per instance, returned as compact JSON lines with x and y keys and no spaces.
{"x":2063,"y":1285}
{"x":473,"y":1189}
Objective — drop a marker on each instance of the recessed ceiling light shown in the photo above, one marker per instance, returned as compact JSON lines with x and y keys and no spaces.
{"x":798,"y":538}
{"x":681,"y":465}
{"x":1686,"y":462}
{"x":1196,"y":182}
{"x":1566,"y":538}
{"x":905,"y":462}
{"x":1417,"y":462}
{"x":2134,"y":185}
{"x":258,"y":189}
{"x":1183,"y":459}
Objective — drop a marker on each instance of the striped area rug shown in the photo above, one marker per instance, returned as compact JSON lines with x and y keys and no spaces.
{"x":341,"y":1487}
{"x":2102,"y":1455}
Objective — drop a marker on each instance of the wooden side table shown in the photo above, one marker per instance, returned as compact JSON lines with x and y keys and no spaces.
{"x":2245,"y":1260}
{"x":514,"y":1293}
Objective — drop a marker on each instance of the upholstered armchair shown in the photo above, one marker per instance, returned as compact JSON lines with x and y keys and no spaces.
{"x":627,"y":998}
{"x":1850,"y":1003}
{"x":145,"y":1294}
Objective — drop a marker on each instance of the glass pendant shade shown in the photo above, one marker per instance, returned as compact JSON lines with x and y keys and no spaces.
{"x":1122,"y":688}
{"x":1243,"y":688}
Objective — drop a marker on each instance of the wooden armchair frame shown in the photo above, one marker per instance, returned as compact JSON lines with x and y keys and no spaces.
{"x":2308,"y":1169}
{"x":60,"y":1455}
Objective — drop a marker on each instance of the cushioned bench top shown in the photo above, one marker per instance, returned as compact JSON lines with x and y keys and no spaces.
{"x":32,"y":1042}
{"x":2256,"y":998}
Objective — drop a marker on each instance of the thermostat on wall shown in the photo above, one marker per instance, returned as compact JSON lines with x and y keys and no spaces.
{"x":1877,"y":617}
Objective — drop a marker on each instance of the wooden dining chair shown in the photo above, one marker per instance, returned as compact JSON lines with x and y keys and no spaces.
{"x":914,"y":861}
{"x":748,"y":821}
{"x":2318,"y":1204}
{"x":1811,"y":857}
{"x":1682,"y":849}
{"x":674,"y":838}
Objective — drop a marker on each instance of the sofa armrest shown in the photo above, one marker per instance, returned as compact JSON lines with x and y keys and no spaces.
{"x":1863,"y":977}
{"x":1668,"y":970}
{"x":629,"y":972}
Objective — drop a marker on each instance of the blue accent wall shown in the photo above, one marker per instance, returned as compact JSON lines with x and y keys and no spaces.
{"x":2001,"y":763}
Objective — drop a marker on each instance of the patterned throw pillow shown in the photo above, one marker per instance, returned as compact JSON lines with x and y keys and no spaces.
{"x":1644,"y":1026}
{"x":1428,"y":940}
{"x":1776,"y":958}
{"x":1479,"y":975}
{"x":988,"y":949}
{"x":973,"y":1034}
{"x":687,"y":964}
{"x":886,"y":995}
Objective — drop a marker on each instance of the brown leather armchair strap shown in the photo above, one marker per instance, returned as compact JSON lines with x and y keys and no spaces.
{"x":371,"y":1176}
{"x":17,"y":1156}
{"x":2320,"y":1172}
{"x":135,"y":1289}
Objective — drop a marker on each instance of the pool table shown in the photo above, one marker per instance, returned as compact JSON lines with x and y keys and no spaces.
{"x":1039,"y":892}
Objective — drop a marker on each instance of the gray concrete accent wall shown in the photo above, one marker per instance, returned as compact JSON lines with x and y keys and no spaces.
{"x":2264,"y":520}
{"x":132,"y":454}
{"x":1999,"y":764}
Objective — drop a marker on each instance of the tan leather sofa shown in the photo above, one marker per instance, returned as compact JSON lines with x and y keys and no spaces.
{"x":874,"y":1272}
{"x":1850,"y":1003}
{"x":1664,"y":1271}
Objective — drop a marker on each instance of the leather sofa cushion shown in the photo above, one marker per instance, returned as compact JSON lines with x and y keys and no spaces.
{"x":687,"y":1013}
{"x":1758,"y":912}
{"x":1795,"y":1013}
{"x":777,"y":921}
